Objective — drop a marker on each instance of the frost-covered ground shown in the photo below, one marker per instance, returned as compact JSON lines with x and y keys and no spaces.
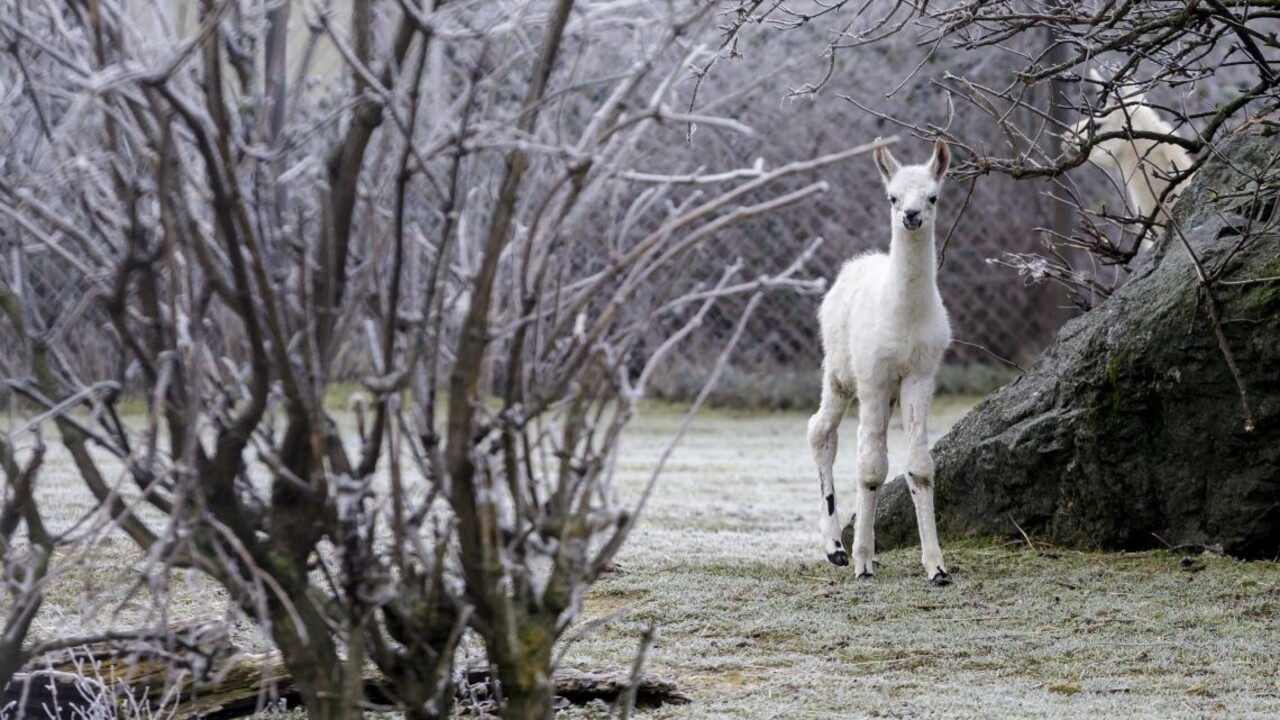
{"x":754,"y":623}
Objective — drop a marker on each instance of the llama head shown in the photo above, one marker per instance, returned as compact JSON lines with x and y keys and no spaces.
{"x":913,"y":189}
{"x":1109,"y":113}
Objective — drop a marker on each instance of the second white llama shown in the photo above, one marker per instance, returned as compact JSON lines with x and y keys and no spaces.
{"x":1148,"y":166}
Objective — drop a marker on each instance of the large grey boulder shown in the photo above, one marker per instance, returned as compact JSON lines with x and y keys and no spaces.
{"x":1128,"y":431}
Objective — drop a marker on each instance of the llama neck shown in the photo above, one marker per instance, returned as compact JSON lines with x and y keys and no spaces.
{"x":913,"y":264}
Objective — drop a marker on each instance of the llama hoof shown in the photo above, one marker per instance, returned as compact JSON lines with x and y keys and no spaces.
{"x":941,"y":579}
{"x":838,"y":558}
{"x":864,"y":575}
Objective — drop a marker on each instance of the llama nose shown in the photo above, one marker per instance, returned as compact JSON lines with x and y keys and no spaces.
{"x":911,"y":219}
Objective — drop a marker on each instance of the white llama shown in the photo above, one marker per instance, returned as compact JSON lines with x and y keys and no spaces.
{"x":1147,"y":166}
{"x":884,"y":330}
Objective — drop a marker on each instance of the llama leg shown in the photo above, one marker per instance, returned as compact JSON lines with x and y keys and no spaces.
{"x":824,"y":434}
{"x":873,"y":465}
{"x":917,"y":394}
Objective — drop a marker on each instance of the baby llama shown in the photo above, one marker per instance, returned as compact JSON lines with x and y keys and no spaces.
{"x":884,"y":330}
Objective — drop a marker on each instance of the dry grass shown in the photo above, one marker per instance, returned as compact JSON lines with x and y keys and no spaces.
{"x":754,"y":623}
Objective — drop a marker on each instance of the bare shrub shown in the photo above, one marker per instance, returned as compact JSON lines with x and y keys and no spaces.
{"x":466,"y":217}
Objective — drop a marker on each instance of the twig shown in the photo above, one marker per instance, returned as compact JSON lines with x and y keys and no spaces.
{"x":1022,"y":532}
{"x":1249,"y":281}
{"x":1004,"y":360}
{"x":1211,"y":304}
{"x":627,"y":701}
{"x":955,"y":222}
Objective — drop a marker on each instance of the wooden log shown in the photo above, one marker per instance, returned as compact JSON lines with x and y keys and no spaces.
{"x":218,"y":683}
{"x":580,"y":687}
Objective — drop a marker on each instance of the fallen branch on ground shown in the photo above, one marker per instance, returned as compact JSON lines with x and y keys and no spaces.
{"x":235,"y":685}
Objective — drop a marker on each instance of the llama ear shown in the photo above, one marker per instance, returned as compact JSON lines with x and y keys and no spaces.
{"x":941,"y":160}
{"x":885,"y":163}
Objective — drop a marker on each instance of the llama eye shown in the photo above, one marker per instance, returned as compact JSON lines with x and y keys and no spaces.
{"x":933,"y":199}
{"x":893,"y":199}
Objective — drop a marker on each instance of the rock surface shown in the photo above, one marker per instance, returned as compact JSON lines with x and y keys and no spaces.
{"x":1128,"y":432}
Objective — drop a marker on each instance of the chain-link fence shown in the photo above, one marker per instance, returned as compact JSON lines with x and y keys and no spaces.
{"x":58,"y":306}
{"x":995,"y":313}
